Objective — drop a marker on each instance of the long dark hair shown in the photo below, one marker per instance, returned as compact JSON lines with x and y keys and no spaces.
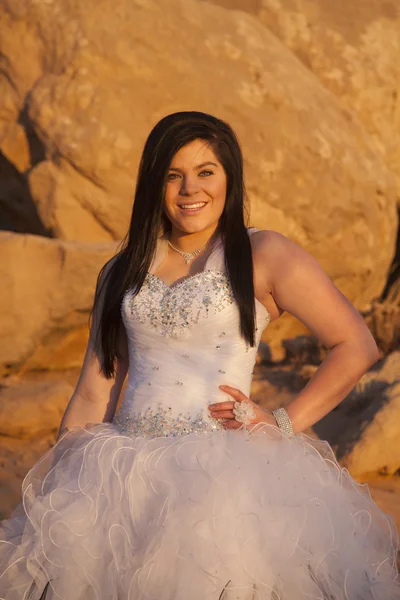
{"x":128,"y":268}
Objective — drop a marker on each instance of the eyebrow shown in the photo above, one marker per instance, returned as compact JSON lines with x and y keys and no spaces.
{"x":208,"y":162}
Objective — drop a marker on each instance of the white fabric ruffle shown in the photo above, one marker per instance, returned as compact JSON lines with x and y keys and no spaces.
{"x":227,"y":514}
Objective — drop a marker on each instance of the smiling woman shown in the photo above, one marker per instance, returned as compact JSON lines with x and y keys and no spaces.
{"x":190,"y":489}
{"x":193,"y":190}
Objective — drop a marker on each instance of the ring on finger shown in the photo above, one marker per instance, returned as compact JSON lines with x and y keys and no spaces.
{"x":244,"y":413}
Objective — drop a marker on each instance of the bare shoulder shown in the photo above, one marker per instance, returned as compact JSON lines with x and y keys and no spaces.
{"x":265,"y":245}
{"x":267,"y":242}
{"x":273,"y":251}
{"x":276,"y":255}
{"x":297,"y":284}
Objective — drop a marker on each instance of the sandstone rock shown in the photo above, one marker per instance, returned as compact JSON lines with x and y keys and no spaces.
{"x":378,"y":449}
{"x":47,"y":294}
{"x":354,"y":50}
{"x":264,"y":355}
{"x":17,"y":456}
{"x":32,"y":409}
{"x":301,"y":351}
{"x":386,"y":493}
{"x":364,"y":429}
{"x":386,"y":370}
{"x":30,"y":416}
{"x":383,"y":320}
{"x":312,"y":171}
{"x":18,"y":213}
{"x":304,"y":350}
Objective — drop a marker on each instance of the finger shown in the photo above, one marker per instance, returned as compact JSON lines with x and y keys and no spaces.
{"x":223,"y":414}
{"x":221,"y":406}
{"x":234,"y":392}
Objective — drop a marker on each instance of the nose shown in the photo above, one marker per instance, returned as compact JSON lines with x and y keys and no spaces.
{"x":190,"y":186}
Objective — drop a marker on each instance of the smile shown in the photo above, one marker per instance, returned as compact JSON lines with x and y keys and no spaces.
{"x":192,"y":207}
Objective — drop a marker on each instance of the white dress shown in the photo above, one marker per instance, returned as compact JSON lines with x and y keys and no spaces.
{"x":165,"y":504}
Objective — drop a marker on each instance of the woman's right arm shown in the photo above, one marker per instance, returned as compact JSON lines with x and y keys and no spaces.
{"x":95,"y":397}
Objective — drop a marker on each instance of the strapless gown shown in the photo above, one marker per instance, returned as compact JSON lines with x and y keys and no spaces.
{"x":164,"y":504}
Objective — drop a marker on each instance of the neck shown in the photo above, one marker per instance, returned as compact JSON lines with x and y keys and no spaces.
{"x":188,"y":242}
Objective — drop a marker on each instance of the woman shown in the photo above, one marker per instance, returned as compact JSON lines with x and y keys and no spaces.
{"x":160,"y":499}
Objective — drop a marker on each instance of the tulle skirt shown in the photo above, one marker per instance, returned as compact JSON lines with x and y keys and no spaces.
{"x":226,"y":515}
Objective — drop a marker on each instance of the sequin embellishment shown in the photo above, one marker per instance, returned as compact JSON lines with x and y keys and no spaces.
{"x":161,"y":422}
{"x":170,"y":310}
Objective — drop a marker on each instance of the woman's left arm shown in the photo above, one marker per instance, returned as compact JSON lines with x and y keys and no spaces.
{"x":301,"y":287}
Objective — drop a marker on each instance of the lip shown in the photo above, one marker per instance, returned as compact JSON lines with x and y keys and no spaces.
{"x":193,"y":211}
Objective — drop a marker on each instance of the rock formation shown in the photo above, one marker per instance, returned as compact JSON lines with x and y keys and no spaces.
{"x":79,"y":96}
{"x":312,"y":92}
{"x":353,"y":48}
{"x":30,"y":415}
{"x":47,"y":294}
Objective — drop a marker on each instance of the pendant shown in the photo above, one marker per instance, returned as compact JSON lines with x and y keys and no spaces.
{"x":187,"y":256}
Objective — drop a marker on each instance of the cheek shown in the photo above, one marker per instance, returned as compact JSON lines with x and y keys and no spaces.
{"x":169,"y":197}
{"x":219,"y":192}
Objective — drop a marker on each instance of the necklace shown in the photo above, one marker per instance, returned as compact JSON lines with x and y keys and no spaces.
{"x":188,"y":256}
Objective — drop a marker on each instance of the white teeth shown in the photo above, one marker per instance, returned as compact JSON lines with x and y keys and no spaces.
{"x":198,"y":205}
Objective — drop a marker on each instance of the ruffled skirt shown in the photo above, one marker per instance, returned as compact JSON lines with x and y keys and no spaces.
{"x":227,"y":515}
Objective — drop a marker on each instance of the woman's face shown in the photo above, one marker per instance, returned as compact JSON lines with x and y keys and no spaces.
{"x":196,"y":188}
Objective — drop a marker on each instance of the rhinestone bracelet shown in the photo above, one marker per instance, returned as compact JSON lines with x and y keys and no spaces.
{"x":283,"y":421}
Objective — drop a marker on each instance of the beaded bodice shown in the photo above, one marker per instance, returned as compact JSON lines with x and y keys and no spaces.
{"x":183,"y":342}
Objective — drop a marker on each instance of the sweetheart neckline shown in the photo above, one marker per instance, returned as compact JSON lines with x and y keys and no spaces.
{"x":177,"y":282}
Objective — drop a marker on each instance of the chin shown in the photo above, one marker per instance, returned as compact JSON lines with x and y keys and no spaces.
{"x":194,"y":227}
{"x":194,"y":224}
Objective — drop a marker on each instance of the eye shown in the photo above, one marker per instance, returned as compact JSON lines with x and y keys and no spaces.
{"x":172,"y":176}
{"x":207,"y":173}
